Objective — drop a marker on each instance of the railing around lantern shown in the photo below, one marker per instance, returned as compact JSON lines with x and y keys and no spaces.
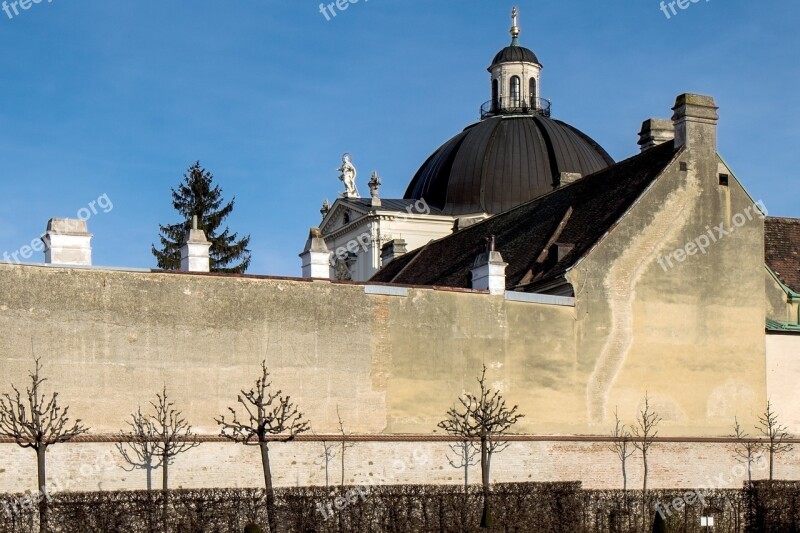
{"x":515,"y":106}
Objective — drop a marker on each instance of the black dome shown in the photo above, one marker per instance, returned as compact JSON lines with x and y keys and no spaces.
{"x":502,"y":162}
{"x":515,"y":53}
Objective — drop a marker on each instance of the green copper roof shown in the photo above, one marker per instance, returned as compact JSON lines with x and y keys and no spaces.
{"x":783,"y":327}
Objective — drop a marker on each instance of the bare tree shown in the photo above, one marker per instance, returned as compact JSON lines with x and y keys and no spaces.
{"x":36,"y":422}
{"x":268,"y":416}
{"x":776,"y":435}
{"x":745,"y":449}
{"x":138,"y":447}
{"x":623,"y":447}
{"x":484,"y":417}
{"x":345,"y":445}
{"x":164,"y":434}
{"x":645,"y":433}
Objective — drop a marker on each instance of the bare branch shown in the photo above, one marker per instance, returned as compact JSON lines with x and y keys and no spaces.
{"x":483,"y":416}
{"x":33,"y":420}
{"x":268,"y":414}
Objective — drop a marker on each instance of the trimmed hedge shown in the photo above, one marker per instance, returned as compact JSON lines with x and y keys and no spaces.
{"x":773,"y":506}
{"x":515,"y":508}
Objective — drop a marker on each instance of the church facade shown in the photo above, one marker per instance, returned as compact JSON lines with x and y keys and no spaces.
{"x":582,"y":284}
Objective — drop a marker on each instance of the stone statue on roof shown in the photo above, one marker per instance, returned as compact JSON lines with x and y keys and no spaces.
{"x":347,"y":175}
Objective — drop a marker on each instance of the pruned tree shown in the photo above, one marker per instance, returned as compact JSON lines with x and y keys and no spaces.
{"x":622,"y":446}
{"x":746,"y":450}
{"x":138,"y":447}
{"x":168,"y":432}
{"x":484,"y":417}
{"x":776,"y":434}
{"x":34,"y":420}
{"x":197,"y":195}
{"x":645,"y":433}
{"x":268,"y":416}
{"x":345,"y":445}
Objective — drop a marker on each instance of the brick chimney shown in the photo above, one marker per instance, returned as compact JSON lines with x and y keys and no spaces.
{"x":67,"y":241}
{"x":316,"y":258}
{"x":489,"y":271}
{"x":195,"y":250}
{"x":655,"y":131}
{"x":695,"y":121}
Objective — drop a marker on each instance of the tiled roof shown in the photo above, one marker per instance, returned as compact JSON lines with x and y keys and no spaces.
{"x":782,"y":249}
{"x":575,"y":217}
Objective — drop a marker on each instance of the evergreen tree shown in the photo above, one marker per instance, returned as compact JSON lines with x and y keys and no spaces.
{"x":197,"y":195}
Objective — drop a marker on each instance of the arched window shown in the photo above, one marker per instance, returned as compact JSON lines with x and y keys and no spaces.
{"x":515,"y":86}
{"x":495,"y":94}
{"x":532,"y":92}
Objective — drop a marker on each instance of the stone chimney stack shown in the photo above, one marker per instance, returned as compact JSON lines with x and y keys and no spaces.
{"x":489,"y":271}
{"x":392,"y":250}
{"x":67,"y":241}
{"x":655,"y":131}
{"x":195,"y":250}
{"x":316,"y":258}
{"x":695,"y":121}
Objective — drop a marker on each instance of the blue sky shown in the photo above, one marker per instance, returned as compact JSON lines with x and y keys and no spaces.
{"x":119,"y":98}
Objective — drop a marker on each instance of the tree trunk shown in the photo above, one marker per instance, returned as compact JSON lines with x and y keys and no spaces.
{"x":148,"y":468}
{"x":466,"y":467}
{"x":624,"y":484}
{"x":165,"y":474}
{"x":645,"y":510}
{"x":465,"y":504}
{"x":165,"y":491}
{"x":271,"y":518}
{"x":771,"y":458}
{"x":41,"y":469}
{"x":343,"y":448}
{"x":486,"y":520}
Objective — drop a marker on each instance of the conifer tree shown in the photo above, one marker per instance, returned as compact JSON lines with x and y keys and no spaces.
{"x":198,"y":195}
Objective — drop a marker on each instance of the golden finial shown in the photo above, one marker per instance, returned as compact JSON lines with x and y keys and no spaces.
{"x":514,"y":26}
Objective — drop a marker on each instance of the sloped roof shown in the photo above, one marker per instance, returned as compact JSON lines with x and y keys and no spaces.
{"x":575,"y":216}
{"x":782,"y":327}
{"x":390,"y":204}
{"x":782,"y":249}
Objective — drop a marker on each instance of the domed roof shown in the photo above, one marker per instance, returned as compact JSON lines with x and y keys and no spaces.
{"x":502,"y":162}
{"x":515,"y":53}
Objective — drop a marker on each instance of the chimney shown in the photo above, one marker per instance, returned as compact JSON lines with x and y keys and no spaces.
{"x":489,"y":271}
{"x":316,"y":258}
{"x":695,"y":121}
{"x":655,"y":131}
{"x":392,"y":250}
{"x":566,"y":178}
{"x":67,"y":241}
{"x":194,"y":252}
